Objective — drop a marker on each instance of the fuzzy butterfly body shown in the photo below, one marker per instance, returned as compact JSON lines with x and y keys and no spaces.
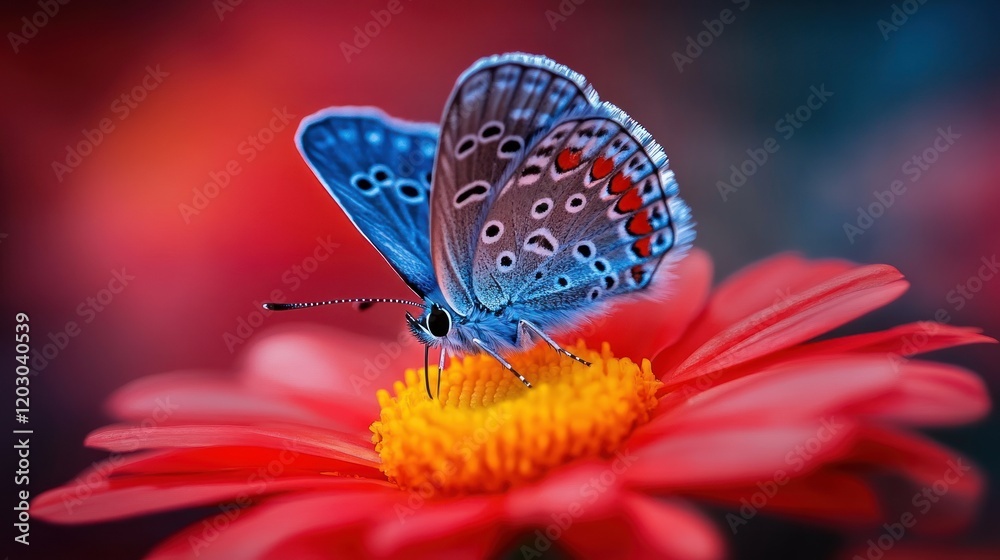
{"x":531,"y":208}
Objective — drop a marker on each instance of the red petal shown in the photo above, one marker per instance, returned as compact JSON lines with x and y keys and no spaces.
{"x":673,"y":529}
{"x":302,"y":439}
{"x":640,"y":528}
{"x":787,"y":392}
{"x":929,"y":394}
{"x":93,"y":497}
{"x":534,"y":503}
{"x":264,"y":530}
{"x":799,"y":317}
{"x":904,"y":340}
{"x":197,"y":398}
{"x":417,"y":527}
{"x":737,"y":454}
{"x":318,"y":364}
{"x":213,"y":463}
{"x":679,"y":296}
{"x":945,"y":488}
{"x":756,"y":287}
{"x":826,"y":496}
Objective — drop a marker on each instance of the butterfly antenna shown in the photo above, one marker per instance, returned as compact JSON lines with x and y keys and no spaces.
{"x":287,"y":306}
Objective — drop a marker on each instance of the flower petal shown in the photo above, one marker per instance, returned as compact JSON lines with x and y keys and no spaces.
{"x":673,"y":529}
{"x":301,"y":439}
{"x":641,"y":528}
{"x":319,"y":364}
{"x":929,"y":394}
{"x":944,"y":487}
{"x":789,"y":392}
{"x":262,"y":530}
{"x":418,"y":527}
{"x":572,"y":484}
{"x":111,"y":489}
{"x":198,"y":398}
{"x":748,"y":291}
{"x":797,"y":318}
{"x":825,"y":495}
{"x":737,"y":454}
{"x":664,"y":319}
{"x":905,"y":340}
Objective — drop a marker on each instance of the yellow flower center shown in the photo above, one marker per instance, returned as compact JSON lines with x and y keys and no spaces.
{"x":487,"y":432}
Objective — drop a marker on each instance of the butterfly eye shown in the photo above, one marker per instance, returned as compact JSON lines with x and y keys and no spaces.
{"x":438,"y":322}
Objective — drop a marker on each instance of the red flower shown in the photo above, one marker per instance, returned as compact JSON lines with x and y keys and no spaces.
{"x":602,"y":462}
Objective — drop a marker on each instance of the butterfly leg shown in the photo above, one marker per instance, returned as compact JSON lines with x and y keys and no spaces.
{"x":440,"y":370}
{"x":528,"y":325}
{"x":502,"y":361}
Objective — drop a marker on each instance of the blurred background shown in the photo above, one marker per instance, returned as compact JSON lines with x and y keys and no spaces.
{"x":153,"y":195}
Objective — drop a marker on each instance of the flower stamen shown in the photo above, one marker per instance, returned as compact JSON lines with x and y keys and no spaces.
{"x":487,"y":432}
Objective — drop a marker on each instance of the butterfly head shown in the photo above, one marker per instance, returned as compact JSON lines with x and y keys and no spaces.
{"x":435,"y":323}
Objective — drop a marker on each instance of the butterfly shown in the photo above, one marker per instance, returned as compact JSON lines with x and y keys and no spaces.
{"x":531,"y":208}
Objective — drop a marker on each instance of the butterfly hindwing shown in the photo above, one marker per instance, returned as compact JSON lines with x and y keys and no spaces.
{"x":497,"y":108}
{"x":589,"y":214}
{"x":379,"y":170}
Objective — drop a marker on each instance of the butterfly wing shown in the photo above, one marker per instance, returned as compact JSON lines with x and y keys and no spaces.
{"x":590,"y":214}
{"x":379,"y":170}
{"x":496,"y":109}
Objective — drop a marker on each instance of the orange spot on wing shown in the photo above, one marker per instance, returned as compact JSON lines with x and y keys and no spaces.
{"x":629,"y":202}
{"x":568,"y":159}
{"x":638,"y":273}
{"x":643,"y":247}
{"x":639,"y":224}
{"x":602,"y":167}
{"x":619,"y":183}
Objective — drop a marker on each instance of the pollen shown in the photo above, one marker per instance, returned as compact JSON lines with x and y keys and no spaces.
{"x":487,"y":432}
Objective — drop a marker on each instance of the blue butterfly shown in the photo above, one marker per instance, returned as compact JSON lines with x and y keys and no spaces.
{"x":530,"y":209}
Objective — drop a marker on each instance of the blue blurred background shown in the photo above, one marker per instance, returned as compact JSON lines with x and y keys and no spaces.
{"x":116,"y":119}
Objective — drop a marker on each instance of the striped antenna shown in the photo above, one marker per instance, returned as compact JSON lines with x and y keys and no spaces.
{"x":288,"y":306}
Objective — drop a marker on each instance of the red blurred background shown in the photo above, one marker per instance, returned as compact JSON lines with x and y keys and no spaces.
{"x":205,"y":85}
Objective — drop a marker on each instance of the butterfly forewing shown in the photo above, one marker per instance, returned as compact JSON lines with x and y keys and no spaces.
{"x":589,"y":214}
{"x":496,"y":109}
{"x":379,"y":170}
